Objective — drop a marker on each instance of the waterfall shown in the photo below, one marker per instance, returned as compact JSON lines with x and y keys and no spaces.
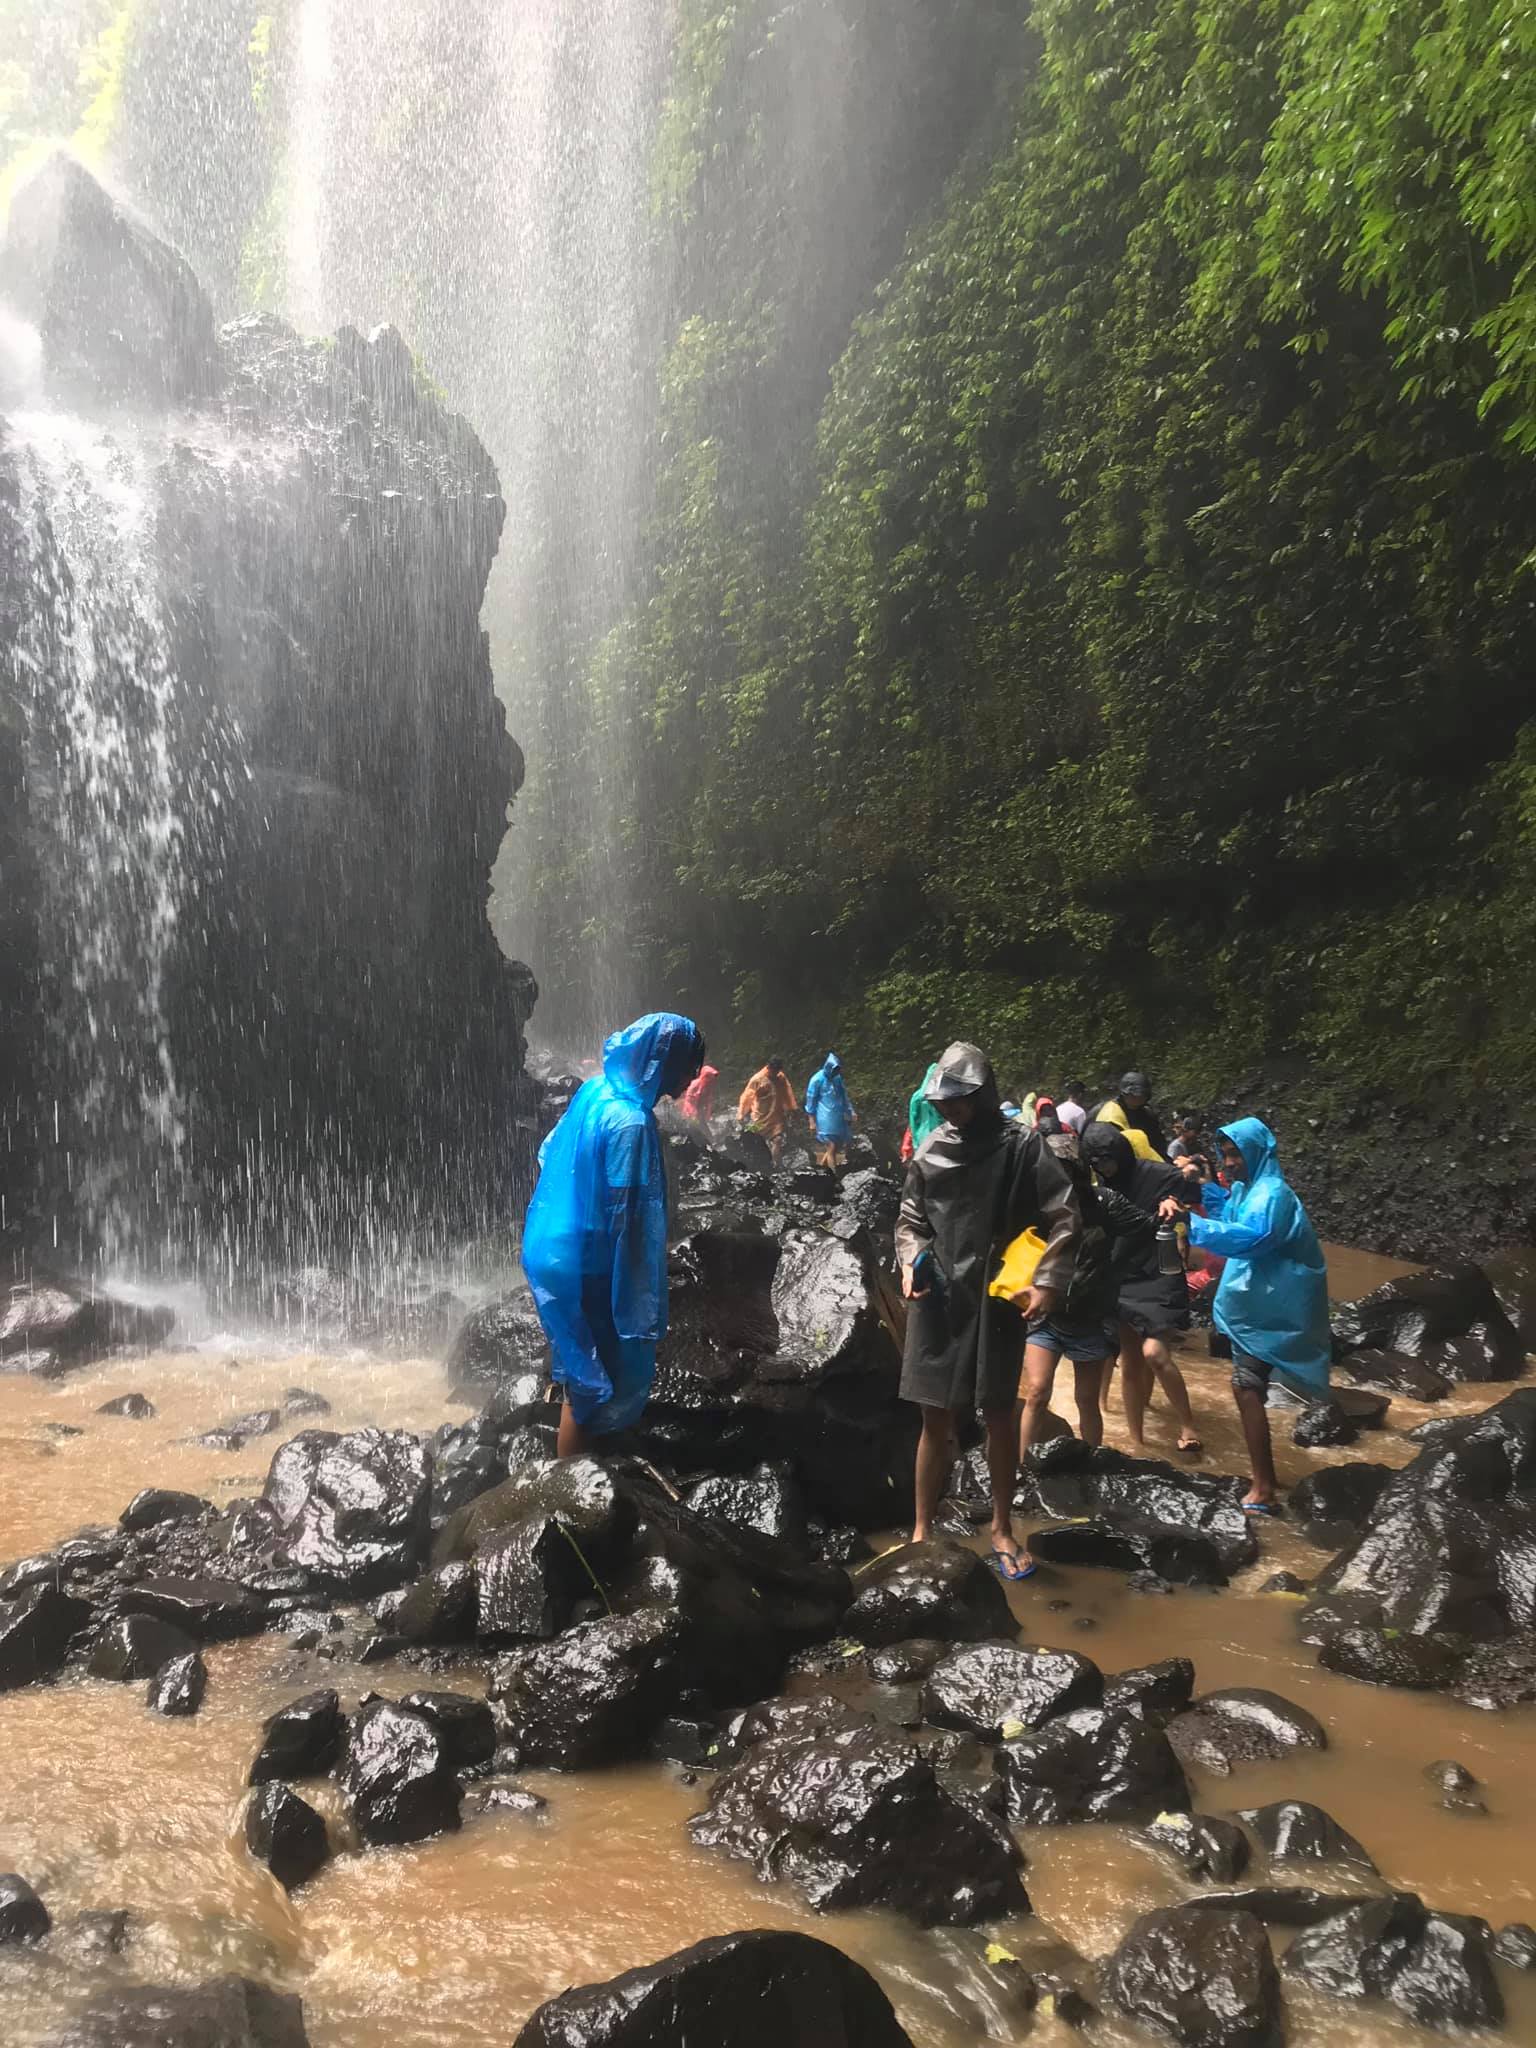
{"x":95,"y":653}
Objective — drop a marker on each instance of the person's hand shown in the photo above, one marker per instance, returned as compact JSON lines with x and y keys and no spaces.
{"x":1189,"y":1166}
{"x":1170,"y":1209}
{"x":1037,"y":1301}
{"x":909,"y":1289}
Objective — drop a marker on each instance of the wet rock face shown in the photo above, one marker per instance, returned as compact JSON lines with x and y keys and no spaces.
{"x":300,"y":1740}
{"x":1431,"y":1966}
{"x":177,"y":1688}
{"x":1292,"y":1831}
{"x":352,"y":1511}
{"x":226,"y":2012}
{"x":285,"y":1832}
{"x":465,"y":1724}
{"x":1135,"y":1514}
{"x":398,"y":1775}
{"x":997,"y":1690}
{"x":768,"y":1500}
{"x":857,"y":1817}
{"x":37,"y":1629}
{"x":935,"y":1589}
{"x":1243,"y":1724}
{"x":760,"y":1990}
{"x":1202,"y":1979}
{"x":137,"y":1646}
{"x":1155,"y":1691}
{"x":23,"y":1916}
{"x":1380,"y":1656}
{"x":1096,"y":1764}
{"x":1451,"y":1322}
{"x":1333,"y":1505}
{"x":501,"y":1348}
{"x":1450,"y":1545}
{"x":51,"y":1330}
{"x":1211,"y":1850}
{"x":594,"y":1695}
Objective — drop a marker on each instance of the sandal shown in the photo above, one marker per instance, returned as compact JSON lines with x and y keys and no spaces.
{"x":1260,"y":1507}
{"x":1193,"y":1449}
{"x":1010,"y":1565}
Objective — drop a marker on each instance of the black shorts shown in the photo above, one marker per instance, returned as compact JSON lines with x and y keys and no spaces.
{"x":1250,"y":1375}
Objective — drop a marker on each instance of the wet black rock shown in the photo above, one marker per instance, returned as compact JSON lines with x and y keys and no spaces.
{"x":466,"y":1725}
{"x":442,"y":1606}
{"x":137,"y":1646}
{"x":37,"y":1630}
{"x":1280,"y":1905}
{"x":225,"y":2012}
{"x":859,"y":1817}
{"x":905,"y":1663}
{"x":1512,"y":1276}
{"x":1383,"y":1656}
{"x":1394,"y":1372}
{"x":1294,"y":1832}
{"x":1333,"y":1505}
{"x":1450,"y":1547}
{"x":209,"y":1610}
{"x":136,"y":1407}
{"x":1419,"y":1311}
{"x":1322,"y":1424}
{"x":157,"y":1504}
{"x":1516,"y":1945}
{"x":1201,"y":1979}
{"x":1360,"y":1406}
{"x":1176,"y":1557}
{"x":286,"y":1833}
{"x":300,"y":1740}
{"x":935,"y":1589}
{"x":1155,"y":1691}
{"x":304,"y":1401}
{"x":1498,"y":1675}
{"x":1157,"y":1507}
{"x":508,"y":1799}
{"x":528,"y":1579}
{"x":798,"y":1714}
{"x":692,"y":1739}
{"x":66,"y":1329}
{"x":998,"y":1690}
{"x":757,"y":1990}
{"x":829,"y":1319}
{"x":178,"y":1687}
{"x":592,"y":1696}
{"x":501,"y":1348}
{"x":1450,"y":1776}
{"x":352,"y":1511}
{"x":768,"y":1499}
{"x":1285,"y":1583}
{"x":23,"y":1916}
{"x":1096,"y":1764}
{"x":397,"y":1773}
{"x":1243,"y":1724}
{"x":1211,"y":1850}
{"x":1429,"y":1965}
{"x":579,"y":1493}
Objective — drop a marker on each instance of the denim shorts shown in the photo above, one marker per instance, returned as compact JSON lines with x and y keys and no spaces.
{"x":1082,"y":1343}
{"x":1249,"y":1374}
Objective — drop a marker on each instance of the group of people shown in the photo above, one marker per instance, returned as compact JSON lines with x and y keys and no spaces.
{"x":1022,"y":1240}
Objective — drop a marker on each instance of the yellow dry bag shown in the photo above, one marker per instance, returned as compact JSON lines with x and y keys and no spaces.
{"x":1018,"y":1268}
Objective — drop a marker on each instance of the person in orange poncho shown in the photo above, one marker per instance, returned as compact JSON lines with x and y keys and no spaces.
{"x":766,"y":1105}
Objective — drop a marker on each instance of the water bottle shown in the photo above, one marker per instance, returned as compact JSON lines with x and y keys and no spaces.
{"x":1168,"y":1260}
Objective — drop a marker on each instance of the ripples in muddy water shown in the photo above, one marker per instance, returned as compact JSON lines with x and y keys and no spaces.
{"x":455,"y":1941}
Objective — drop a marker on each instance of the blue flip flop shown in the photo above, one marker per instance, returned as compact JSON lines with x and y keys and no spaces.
{"x":1261,"y":1507}
{"x":1012,"y":1567}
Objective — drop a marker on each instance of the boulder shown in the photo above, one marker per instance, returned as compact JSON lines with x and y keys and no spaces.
{"x":1322,"y":1424}
{"x":858,"y":1817}
{"x":1333,"y":1505}
{"x":225,"y":2012}
{"x":1160,"y":1510}
{"x":1488,"y":1351}
{"x":157,"y":1504}
{"x":466,"y":1725}
{"x":23,"y":1916}
{"x":1155,"y":1691}
{"x":768,"y":1500}
{"x":1291,"y":1831}
{"x":766,"y":1989}
{"x":500,"y":1348}
{"x":177,"y":1688}
{"x":1198,"y":1978}
{"x":905,"y":1663}
{"x":1382,"y":1656}
{"x":528,"y":1579}
{"x":37,"y":1629}
{"x":301,"y":1740}
{"x":137,"y":1646}
{"x":1431,"y":1966}
{"x":442,"y":1606}
{"x":1512,"y":1276}
{"x":1360,"y":1406}
{"x":1096,"y":1764}
{"x":352,"y":1511}
{"x":1211,"y":1851}
{"x":1498,"y":1675}
{"x":286,"y":1833}
{"x":936,"y":1589}
{"x":1280,"y":1905}
{"x":594,"y":1695}
{"x":74,"y":1329}
{"x":509,"y":1799}
{"x":209,"y":1610}
{"x":1515,"y":1945}
{"x":1393,"y":1372}
{"x":998,"y":1690}
{"x":1420,"y":1310}
{"x":304,"y":1401}
{"x":135,"y":1407}
{"x":580,"y":1494}
{"x":1179,"y":1557}
{"x":1242,"y":1724}
{"x":829,"y":1317}
{"x":397,"y":1773}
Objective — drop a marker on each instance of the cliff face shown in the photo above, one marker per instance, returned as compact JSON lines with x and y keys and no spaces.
{"x":261,"y":772}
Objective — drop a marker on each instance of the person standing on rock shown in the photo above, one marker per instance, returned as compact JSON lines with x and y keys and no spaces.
{"x":1272,"y":1302}
{"x":595,"y":1238}
{"x":766,"y":1105}
{"x":1128,"y":1110}
{"x":831,"y":1115}
{"x":974,"y":1185}
{"x":698,"y":1102}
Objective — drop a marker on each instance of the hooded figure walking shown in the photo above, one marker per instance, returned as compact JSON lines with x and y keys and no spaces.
{"x":595,"y":1238}
{"x":974,"y":1185}
{"x":830,"y":1112}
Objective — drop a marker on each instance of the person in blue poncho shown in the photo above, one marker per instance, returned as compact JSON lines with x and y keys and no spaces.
{"x":830,"y":1112}
{"x":1273,"y":1298}
{"x":595,"y":1238}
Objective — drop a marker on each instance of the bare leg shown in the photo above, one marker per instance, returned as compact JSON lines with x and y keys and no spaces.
{"x":1090,"y":1423}
{"x":1171,"y":1380}
{"x":1040,"y":1362}
{"x":572,"y":1439}
{"x":1107,"y":1379}
{"x":1261,"y":1452}
{"x":1135,"y":1385}
{"x":935,"y":1455}
{"x":1003,"y":1469}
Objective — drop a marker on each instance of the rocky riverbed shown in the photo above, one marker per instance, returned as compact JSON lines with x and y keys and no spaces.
{"x":522,"y":1761}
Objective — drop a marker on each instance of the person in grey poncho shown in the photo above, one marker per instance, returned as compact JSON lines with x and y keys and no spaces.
{"x":973,"y":1186}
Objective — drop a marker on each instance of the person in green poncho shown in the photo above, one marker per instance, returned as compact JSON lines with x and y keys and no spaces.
{"x":923,"y":1119}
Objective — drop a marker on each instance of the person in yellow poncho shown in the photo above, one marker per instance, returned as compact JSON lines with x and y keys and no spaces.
{"x":1127,"y":1109}
{"x":766,"y":1105}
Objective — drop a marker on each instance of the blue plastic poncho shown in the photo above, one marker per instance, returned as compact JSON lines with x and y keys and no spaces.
{"x":595,"y":1238}
{"x":826,"y":1101}
{"x":1273,"y":1297}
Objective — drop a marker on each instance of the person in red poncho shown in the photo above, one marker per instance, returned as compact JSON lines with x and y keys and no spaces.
{"x":699,"y":1097}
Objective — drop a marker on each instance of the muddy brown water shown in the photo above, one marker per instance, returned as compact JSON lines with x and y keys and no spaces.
{"x":454,"y":1942}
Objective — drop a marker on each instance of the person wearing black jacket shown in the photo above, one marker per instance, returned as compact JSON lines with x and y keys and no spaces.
{"x":1152,"y":1304}
{"x":974,"y":1185}
{"x":1130,"y":1108}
